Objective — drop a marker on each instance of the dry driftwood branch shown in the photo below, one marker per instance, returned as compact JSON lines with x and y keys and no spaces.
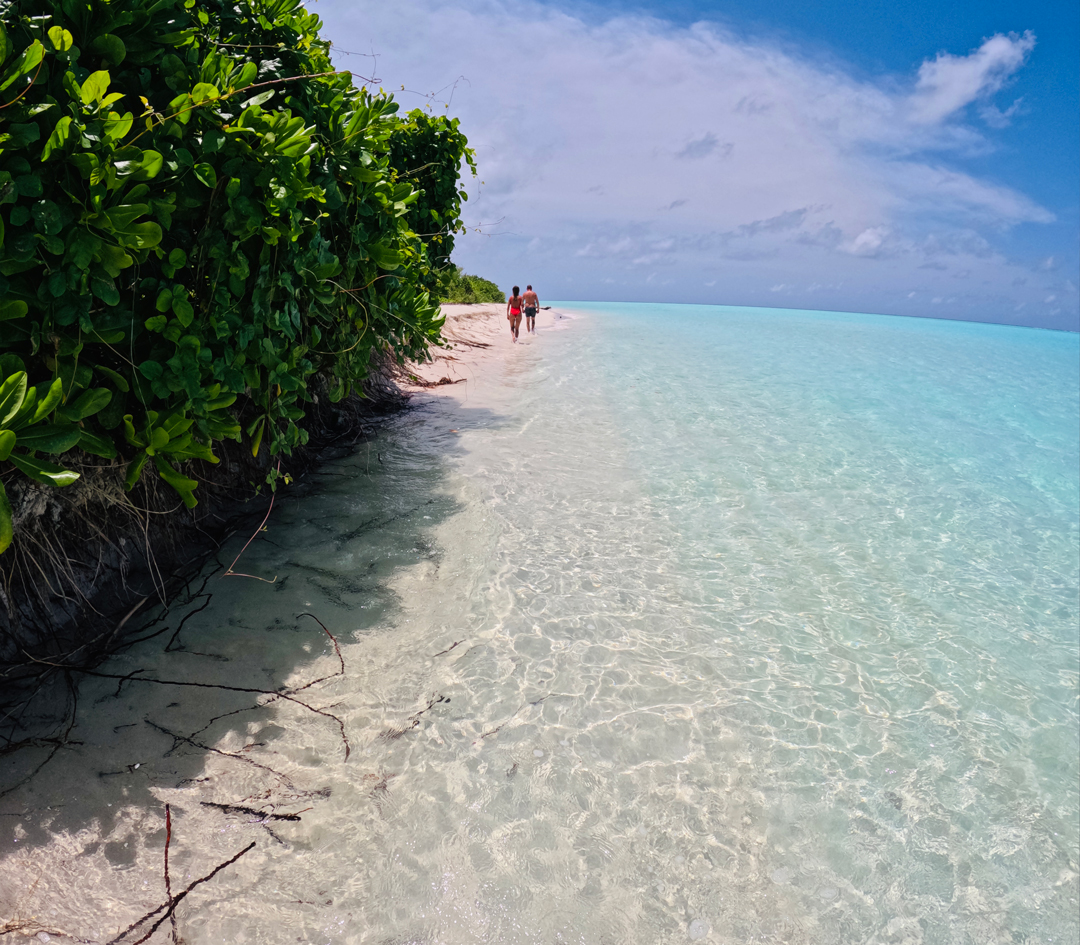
{"x":240,"y":809}
{"x":173,"y":902}
{"x":217,"y":751}
{"x":275,"y":694}
{"x":168,"y":881}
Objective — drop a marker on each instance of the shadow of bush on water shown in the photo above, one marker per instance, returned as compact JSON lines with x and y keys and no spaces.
{"x":235,"y":705}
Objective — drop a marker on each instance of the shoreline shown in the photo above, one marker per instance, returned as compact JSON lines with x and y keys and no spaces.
{"x":142,"y":568}
{"x":477,"y":336}
{"x":214,"y":788}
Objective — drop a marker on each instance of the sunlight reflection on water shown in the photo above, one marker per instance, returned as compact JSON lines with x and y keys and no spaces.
{"x":695,"y":626}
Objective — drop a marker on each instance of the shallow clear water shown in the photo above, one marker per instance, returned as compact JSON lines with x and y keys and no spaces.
{"x":732,"y":625}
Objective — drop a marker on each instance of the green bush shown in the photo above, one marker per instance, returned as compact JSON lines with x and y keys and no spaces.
{"x":197,"y":215}
{"x":466,"y":289}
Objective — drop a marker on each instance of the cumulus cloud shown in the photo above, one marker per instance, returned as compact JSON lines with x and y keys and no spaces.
{"x":634,"y":147}
{"x":949,"y":83}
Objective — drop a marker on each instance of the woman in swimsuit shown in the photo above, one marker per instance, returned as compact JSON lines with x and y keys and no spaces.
{"x":513,"y":313}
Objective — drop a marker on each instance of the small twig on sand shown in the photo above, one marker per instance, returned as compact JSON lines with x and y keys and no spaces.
{"x":171,"y":905}
{"x":239,"y":809}
{"x":337,"y":649}
{"x":414,"y":720}
{"x":274,"y":694}
{"x":216,"y":751}
{"x":498,"y":728}
{"x":168,"y":882}
{"x":229,"y":571}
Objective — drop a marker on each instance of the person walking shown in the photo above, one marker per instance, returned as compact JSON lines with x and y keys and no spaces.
{"x":513,"y":313}
{"x":532,"y":305}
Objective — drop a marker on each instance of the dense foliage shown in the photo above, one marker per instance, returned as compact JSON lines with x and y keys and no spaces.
{"x":197,"y":215}
{"x":460,"y":287}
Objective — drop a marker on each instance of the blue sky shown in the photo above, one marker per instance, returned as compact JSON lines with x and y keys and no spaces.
{"x":917,"y":158}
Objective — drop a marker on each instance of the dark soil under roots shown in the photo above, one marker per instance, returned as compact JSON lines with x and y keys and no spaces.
{"x":89,"y":558}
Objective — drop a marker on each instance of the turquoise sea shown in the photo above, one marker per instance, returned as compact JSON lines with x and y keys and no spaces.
{"x":689,"y":623}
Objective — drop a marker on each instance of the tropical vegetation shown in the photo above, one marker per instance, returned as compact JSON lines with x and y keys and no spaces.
{"x":199,"y":214}
{"x":466,"y":289}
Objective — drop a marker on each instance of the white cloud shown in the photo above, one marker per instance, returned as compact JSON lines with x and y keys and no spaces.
{"x":996,"y":118}
{"x":868,"y":242}
{"x":660,"y":155}
{"x":948,"y":83}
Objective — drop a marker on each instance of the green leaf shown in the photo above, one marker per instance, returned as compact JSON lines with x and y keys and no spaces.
{"x":384,"y":256}
{"x":61,"y":39}
{"x":86,"y":164}
{"x":141,"y":235}
{"x":26,"y":63}
{"x":58,"y":139}
{"x":164,"y":300}
{"x":117,"y":126}
{"x":12,"y":308}
{"x":206,"y":174}
{"x":109,"y":47}
{"x":185,"y":314}
{"x":256,"y":440}
{"x":204,"y":92}
{"x":47,"y":217}
{"x":121,"y":217}
{"x":129,"y":433}
{"x":177,"y":259}
{"x":107,"y":337}
{"x":152,"y":162}
{"x":10,"y":363}
{"x":194,"y":450}
{"x":49,"y":401}
{"x":105,"y":289}
{"x":95,"y":86}
{"x":184,"y":486}
{"x":256,"y":100}
{"x":158,"y":439}
{"x":248,"y":74}
{"x":156,"y":323}
{"x":43,"y":472}
{"x":97,"y":445}
{"x":7,"y":441}
{"x":12,"y":394}
{"x":88,"y":403}
{"x":113,"y":259}
{"x":119,"y":381}
{"x":50,"y":437}
{"x":7,"y":531}
{"x":135,"y":467}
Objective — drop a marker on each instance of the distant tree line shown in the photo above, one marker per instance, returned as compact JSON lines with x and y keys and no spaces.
{"x":463,"y":288}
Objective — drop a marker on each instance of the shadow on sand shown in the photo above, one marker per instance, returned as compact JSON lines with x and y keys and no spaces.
{"x":232,"y":704}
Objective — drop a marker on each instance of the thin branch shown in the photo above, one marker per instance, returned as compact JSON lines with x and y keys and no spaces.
{"x":168,"y":882}
{"x":275,"y":694}
{"x":170,"y":906}
{"x":27,"y":89}
{"x":216,"y":751}
{"x":230,"y":572}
